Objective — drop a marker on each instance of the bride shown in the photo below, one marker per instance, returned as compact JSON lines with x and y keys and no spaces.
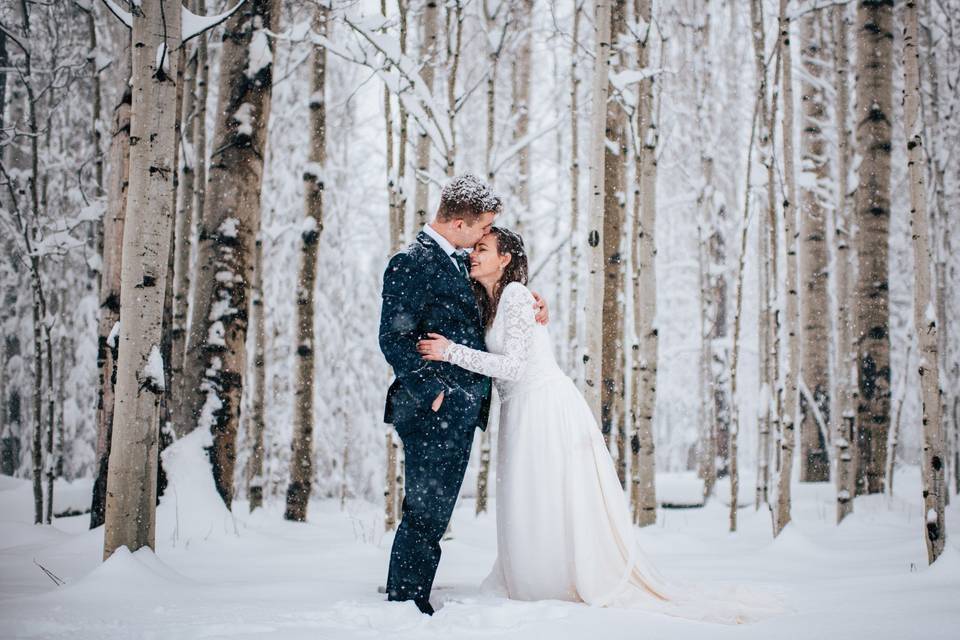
{"x":564,"y":530}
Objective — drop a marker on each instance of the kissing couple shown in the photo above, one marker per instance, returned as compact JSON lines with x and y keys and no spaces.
{"x":450,"y":323}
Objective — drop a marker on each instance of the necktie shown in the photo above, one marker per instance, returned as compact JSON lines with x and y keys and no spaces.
{"x":463,"y":263}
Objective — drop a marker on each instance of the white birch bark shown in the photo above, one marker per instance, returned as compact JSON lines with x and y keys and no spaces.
{"x":194,"y":189}
{"x":454,"y":47}
{"x":924,"y":303}
{"x":255,"y":479}
{"x":428,"y":59}
{"x":575,"y":250}
{"x":131,"y":480}
{"x":782,"y":506}
{"x":183,"y":222}
{"x":301,"y":458}
{"x":734,"y":431}
{"x":118,"y":172}
{"x":614,"y":210}
{"x":521,"y":67}
{"x":483,"y":473}
{"x":711,"y":253}
{"x":873,"y":115}
{"x":814,"y":304}
{"x":397,"y":223}
{"x":941,"y":231}
{"x":765,"y":258}
{"x":644,"y":281}
{"x":843,"y":416}
{"x":215,"y":359}
{"x":593,"y":300}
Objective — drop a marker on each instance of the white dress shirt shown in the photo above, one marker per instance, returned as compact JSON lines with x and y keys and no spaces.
{"x":448,"y":248}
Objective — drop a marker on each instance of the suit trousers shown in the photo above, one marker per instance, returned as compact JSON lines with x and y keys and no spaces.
{"x":436,"y":448}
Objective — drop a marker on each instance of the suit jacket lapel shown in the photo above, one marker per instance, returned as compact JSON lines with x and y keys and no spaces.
{"x":466,"y":292}
{"x":439,"y":254}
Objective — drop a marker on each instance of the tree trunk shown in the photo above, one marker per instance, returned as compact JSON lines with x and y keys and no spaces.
{"x":644,"y":280}
{"x":874,"y":113}
{"x":521,"y":68}
{"x":732,"y":446}
{"x":183,"y":227}
{"x":942,"y":241}
{"x":572,"y":334}
{"x":301,"y":459}
{"x":49,"y":464}
{"x":614,"y":204}
{"x":711,"y":256}
{"x":200,"y":129}
{"x":781,"y":514}
{"x":13,"y":156}
{"x":814,"y":204}
{"x":773,"y":280}
{"x":215,"y":359}
{"x":706,"y":453}
{"x":924,"y":303}
{"x":895,"y":429}
{"x":765,"y":258}
{"x":453,"y":64}
{"x":397,"y":221}
{"x":844,"y":415}
{"x":132,"y":475}
{"x":167,"y":340}
{"x":109,"y":298}
{"x":255,"y":479}
{"x":594,"y":300}
{"x":37,"y":444}
{"x":428,"y":59}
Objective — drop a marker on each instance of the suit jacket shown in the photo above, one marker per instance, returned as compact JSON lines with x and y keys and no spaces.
{"x":424,"y":292}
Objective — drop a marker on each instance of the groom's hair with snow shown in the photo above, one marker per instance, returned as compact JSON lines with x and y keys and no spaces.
{"x":467,"y":197}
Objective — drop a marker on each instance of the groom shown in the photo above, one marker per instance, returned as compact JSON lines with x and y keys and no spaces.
{"x":434,"y":406}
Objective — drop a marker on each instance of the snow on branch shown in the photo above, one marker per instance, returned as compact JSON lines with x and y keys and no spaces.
{"x":815,"y":410}
{"x":407,"y":68}
{"x":399,"y":75}
{"x":123,"y":16}
{"x":191,"y":25}
{"x":522,"y":144}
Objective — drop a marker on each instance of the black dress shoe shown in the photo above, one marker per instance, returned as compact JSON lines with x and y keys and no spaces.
{"x":424,"y":606}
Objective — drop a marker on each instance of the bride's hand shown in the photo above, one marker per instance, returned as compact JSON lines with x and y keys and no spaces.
{"x":540,"y":306}
{"x":433,"y":347}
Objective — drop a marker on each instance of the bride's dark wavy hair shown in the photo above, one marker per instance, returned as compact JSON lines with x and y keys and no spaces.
{"x":508,"y":242}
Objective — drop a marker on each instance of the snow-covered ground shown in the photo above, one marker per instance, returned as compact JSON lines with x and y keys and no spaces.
{"x":217,"y":575}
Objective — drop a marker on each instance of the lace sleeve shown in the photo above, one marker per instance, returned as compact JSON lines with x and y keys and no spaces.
{"x":516,"y":312}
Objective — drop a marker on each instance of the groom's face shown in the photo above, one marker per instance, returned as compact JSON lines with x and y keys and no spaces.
{"x":470,"y":234}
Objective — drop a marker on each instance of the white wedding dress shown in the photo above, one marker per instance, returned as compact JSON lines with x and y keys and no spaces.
{"x":564,"y":529}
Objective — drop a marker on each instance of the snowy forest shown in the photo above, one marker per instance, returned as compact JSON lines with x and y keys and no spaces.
{"x":737,"y":212}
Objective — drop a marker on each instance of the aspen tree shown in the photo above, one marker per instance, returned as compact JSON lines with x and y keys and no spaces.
{"x":781,"y":508}
{"x":215,"y":357}
{"x":614,"y":213}
{"x":813,"y":207}
{"x":843,"y":416}
{"x":593,"y":300}
{"x":314,"y":177}
{"x":924,"y":302}
{"x":428,"y":57}
{"x":131,"y":479}
{"x":644,"y":360}
{"x":873,"y":117}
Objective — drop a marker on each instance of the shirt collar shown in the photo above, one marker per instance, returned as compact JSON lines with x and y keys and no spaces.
{"x":448,"y":248}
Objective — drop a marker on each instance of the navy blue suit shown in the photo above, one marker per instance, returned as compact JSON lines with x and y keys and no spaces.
{"x":423,"y":291}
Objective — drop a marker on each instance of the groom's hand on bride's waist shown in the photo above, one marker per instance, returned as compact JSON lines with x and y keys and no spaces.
{"x":540,"y":306}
